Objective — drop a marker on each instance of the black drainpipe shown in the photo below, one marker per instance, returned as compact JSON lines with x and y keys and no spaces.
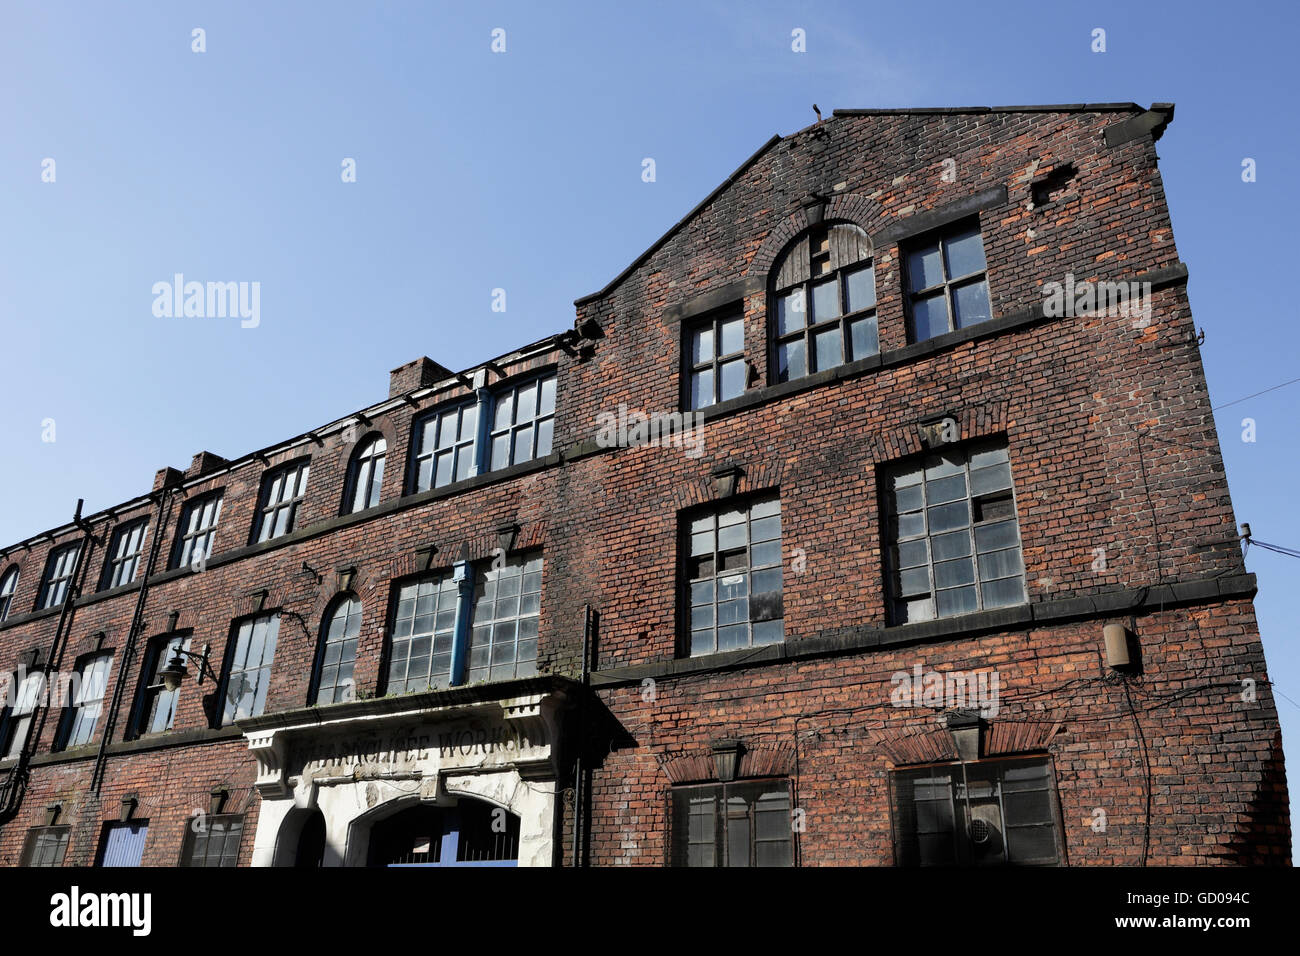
{"x":579,"y":830}
{"x":16,"y":786}
{"x":137,"y":625}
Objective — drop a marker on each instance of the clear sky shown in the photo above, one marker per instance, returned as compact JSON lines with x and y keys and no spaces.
{"x":522,"y":171}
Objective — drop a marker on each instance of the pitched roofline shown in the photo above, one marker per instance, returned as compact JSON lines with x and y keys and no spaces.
{"x":916,"y":111}
{"x":309,"y":437}
{"x":613,"y":283}
{"x":1042,"y":108}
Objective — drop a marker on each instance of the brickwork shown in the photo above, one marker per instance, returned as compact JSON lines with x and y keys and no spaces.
{"x":1112,"y":450}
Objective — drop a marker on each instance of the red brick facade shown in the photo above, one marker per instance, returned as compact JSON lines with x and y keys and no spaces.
{"x":1113,"y":455}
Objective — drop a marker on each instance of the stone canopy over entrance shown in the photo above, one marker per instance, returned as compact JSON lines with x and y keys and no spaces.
{"x":359,"y":763}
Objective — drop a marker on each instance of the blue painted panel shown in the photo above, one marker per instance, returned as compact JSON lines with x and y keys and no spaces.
{"x":124,"y":844}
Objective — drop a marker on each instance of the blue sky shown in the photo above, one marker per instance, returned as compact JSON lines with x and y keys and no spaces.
{"x":522,"y":171}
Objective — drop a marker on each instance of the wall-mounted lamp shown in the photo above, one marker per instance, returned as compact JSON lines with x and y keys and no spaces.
{"x":346,"y":576}
{"x":814,"y":208}
{"x":943,"y":430}
{"x":129,"y":803}
{"x":175,"y":673}
{"x":217,"y":800}
{"x":965,"y":731}
{"x":726,"y":758}
{"x":726,"y":478}
{"x":507,"y":535}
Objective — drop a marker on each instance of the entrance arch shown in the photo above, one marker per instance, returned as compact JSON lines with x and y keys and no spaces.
{"x":300,"y":841}
{"x":468,"y":832}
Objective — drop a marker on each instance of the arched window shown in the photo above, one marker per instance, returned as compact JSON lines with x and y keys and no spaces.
{"x":366,"y":475}
{"x":824,"y":295}
{"x":338,"y":651}
{"x":8,"y":584}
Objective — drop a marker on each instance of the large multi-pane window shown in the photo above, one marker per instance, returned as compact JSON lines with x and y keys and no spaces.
{"x":59,"y":569}
{"x":338,"y":652}
{"x":747,"y":823}
{"x":46,"y":846}
{"x":366,"y":475}
{"x":445,"y":444}
{"x":512,"y":425}
{"x":825,"y":302}
{"x":946,"y":284}
{"x":503,"y":633}
{"x":424,"y":632}
{"x":988,"y":812}
{"x":8,"y":585}
{"x":440,"y":639}
{"x":248,"y":671}
{"x":156,"y":710}
{"x":87,"y":701}
{"x":124,"y":554}
{"x":213,"y":841}
{"x":198,"y":530}
{"x":282,"y":494}
{"x":716,"y":353}
{"x":953,"y":537}
{"x":733,"y":576}
{"x":18,"y":716}
{"x":523,"y":419}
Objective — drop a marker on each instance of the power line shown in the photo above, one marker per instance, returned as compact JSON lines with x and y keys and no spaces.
{"x":1256,"y":395}
{"x":1289,"y":552}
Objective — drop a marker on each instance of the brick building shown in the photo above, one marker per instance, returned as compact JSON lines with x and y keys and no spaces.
{"x":874,"y":515}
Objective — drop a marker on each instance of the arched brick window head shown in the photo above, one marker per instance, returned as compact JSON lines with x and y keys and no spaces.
{"x":823,"y":295}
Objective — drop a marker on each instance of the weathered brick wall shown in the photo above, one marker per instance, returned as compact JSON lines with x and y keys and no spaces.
{"x":1218,"y":792}
{"x":1111,"y":445}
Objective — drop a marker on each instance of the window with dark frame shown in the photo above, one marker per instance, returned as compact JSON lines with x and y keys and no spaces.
{"x":198,"y":530}
{"x":124,"y":554}
{"x":59,"y":569}
{"x":953,"y":537}
{"x":18,"y":716}
{"x":424,"y":632}
{"x":947,"y":285}
{"x":445,"y":444}
{"x":337,"y":656}
{"x":733,"y":576}
{"x":213,"y":840}
{"x":523,"y":421}
{"x":507,"y":608}
{"x":987,"y":813}
{"x":282,"y":494}
{"x":745,"y":823}
{"x":45,"y":846}
{"x":366,"y":475}
{"x":437,"y":642}
{"x":248,"y":669}
{"x":715,"y":358}
{"x":156,"y":710}
{"x":81,"y":712}
{"x":824,"y":298}
{"x":8,"y":585}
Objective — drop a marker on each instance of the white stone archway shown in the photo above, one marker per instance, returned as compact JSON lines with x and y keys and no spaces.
{"x":376,"y":758}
